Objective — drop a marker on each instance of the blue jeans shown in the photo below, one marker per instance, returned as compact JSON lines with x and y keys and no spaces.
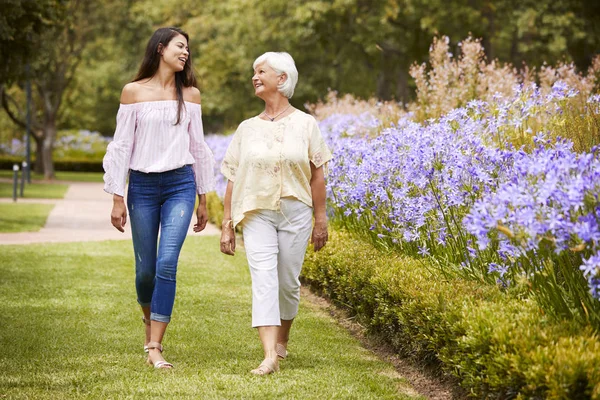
{"x":162,"y":200}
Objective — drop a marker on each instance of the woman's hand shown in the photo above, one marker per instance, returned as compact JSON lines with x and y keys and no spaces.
{"x":202,"y":216}
{"x":319,"y":234}
{"x":118,"y":215}
{"x":227,"y":238}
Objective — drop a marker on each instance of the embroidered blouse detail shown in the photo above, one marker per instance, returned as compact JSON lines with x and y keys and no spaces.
{"x":147,"y":140}
{"x":271,"y":160}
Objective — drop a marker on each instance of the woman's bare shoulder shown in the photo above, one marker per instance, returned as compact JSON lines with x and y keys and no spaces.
{"x":130,"y":93}
{"x":192,"y":94}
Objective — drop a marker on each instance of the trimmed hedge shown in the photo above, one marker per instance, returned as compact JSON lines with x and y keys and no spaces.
{"x":499,"y":345}
{"x":214,"y":207}
{"x":7,"y":162}
{"x":81,"y":165}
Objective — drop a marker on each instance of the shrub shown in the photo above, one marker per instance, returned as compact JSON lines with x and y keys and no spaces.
{"x":214,"y":206}
{"x":499,"y":345}
{"x":81,"y":165}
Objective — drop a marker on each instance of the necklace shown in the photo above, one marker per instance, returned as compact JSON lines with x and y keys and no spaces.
{"x":273,"y":118}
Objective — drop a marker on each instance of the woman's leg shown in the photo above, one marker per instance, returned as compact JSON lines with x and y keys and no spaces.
{"x":293,"y":235}
{"x":178,"y":191}
{"x":143,"y":204}
{"x":260,"y":242}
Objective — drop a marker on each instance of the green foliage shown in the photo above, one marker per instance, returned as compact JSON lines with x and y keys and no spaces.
{"x":498,"y":345}
{"x":214,"y":206}
{"x":65,"y":164}
{"x":23,"y":23}
{"x":353,"y":46}
{"x":23,"y":217}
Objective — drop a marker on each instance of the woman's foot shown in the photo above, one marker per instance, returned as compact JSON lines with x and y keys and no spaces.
{"x":268,"y":366}
{"x":281,"y":350}
{"x":155,"y":357}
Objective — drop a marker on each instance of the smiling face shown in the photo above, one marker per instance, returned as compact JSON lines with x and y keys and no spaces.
{"x":176,"y":54}
{"x":266,"y":80}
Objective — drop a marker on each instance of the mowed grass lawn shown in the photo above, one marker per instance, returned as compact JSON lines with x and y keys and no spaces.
{"x":36,"y":190}
{"x":71,"y":328}
{"x":17,"y":217}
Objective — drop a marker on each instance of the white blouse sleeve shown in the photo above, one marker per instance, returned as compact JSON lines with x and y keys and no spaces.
{"x":203,"y":157}
{"x":318,"y":151}
{"x":118,"y":153}
{"x":231,"y":161}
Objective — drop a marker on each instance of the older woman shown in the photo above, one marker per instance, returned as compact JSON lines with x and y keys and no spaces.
{"x":274,"y":165}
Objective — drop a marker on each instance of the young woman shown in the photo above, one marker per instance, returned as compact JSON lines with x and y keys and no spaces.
{"x":274,"y":165}
{"x":159,"y":143}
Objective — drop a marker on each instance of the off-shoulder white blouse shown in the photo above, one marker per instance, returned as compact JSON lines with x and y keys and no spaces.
{"x":147,"y":140}
{"x":271,"y":160}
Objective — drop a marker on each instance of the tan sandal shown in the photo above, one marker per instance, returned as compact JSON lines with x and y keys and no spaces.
{"x":146,"y":322}
{"x":267,"y":367}
{"x":158,"y":364}
{"x":281,"y":351}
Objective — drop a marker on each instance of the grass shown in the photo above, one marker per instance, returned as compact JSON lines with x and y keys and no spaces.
{"x":36,"y":190}
{"x":71,"y":328}
{"x":23,"y":217}
{"x":61,"y":176}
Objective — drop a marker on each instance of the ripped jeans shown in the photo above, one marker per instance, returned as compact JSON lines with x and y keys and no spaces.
{"x":162,"y":200}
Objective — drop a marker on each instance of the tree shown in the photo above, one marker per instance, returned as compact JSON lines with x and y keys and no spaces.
{"x":361,"y":47}
{"x":59,"y":52}
{"x":22,"y":24}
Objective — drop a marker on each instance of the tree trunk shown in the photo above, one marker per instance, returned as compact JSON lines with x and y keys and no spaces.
{"x":48,"y":146}
{"x":383,"y":80}
{"x":402,"y":92}
{"x":39,"y":155}
{"x":488,"y":13}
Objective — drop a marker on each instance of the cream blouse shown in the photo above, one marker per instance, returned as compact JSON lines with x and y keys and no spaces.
{"x":271,"y":160}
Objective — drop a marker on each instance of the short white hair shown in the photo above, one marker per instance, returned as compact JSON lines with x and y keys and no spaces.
{"x":282,"y":63}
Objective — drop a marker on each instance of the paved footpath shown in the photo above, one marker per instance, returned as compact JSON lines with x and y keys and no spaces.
{"x":83,"y":215}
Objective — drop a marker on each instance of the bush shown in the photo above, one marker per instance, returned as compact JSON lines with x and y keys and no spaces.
{"x":214,"y":206}
{"x":81,"y":165}
{"x":7,"y":162}
{"x":499,"y":345}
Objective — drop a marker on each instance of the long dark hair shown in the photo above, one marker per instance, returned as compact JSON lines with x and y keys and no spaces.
{"x":184,"y":78}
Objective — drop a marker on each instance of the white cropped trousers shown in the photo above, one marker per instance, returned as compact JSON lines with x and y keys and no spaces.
{"x":275,"y":243}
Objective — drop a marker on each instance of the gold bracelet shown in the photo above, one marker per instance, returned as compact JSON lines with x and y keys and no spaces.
{"x":226,"y":223}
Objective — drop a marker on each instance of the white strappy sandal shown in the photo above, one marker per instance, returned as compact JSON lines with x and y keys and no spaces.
{"x":158,"y":364}
{"x":281,"y":351}
{"x":266,"y":367}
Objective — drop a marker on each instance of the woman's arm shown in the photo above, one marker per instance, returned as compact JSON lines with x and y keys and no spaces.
{"x":317,"y":187}
{"x":227,"y":231}
{"x":116,"y":159}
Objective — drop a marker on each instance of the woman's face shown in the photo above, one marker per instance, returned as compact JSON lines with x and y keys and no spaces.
{"x":265,"y":80}
{"x":176,"y":54}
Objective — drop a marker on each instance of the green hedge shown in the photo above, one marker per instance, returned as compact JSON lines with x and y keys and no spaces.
{"x":82,"y":165}
{"x":214,"y":207}
{"x":7,"y":162}
{"x":497,"y":344}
